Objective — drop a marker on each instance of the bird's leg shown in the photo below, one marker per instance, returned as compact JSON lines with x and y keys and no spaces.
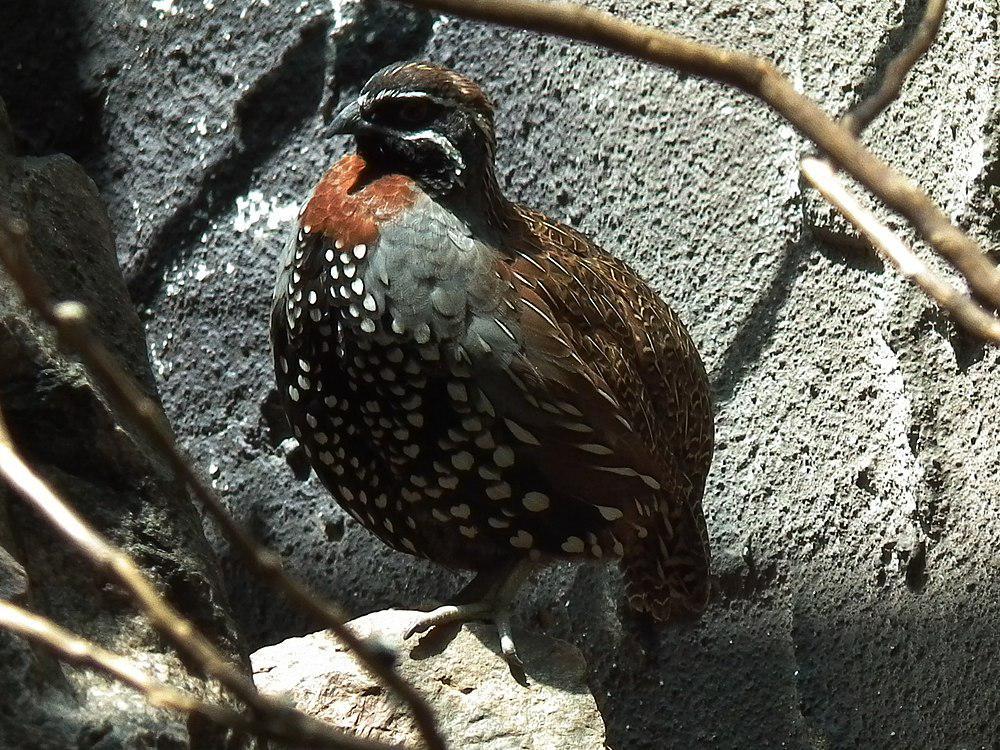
{"x":488,"y":596}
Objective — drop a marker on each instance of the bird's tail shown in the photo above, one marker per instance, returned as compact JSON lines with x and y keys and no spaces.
{"x":667,"y":571}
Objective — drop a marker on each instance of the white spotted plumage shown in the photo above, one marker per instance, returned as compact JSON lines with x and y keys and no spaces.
{"x":385,"y":340}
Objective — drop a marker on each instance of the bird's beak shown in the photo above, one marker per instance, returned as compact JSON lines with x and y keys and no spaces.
{"x":347,"y":120}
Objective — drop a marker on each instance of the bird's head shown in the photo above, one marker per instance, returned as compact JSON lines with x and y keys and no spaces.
{"x":424,"y":121}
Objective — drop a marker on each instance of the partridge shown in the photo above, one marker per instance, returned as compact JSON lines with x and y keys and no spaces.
{"x":480,"y":385}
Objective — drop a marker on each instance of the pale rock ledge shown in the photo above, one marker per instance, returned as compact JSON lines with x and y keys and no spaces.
{"x":476,"y":699}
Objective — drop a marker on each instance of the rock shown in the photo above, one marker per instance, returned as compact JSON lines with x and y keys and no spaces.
{"x":850,"y":412}
{"x":64,"y":428}
{"x":13,"y":577}
{"x":476,"y":699}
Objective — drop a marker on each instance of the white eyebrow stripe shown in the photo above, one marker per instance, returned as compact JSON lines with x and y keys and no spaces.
{"x":413,"y":95}
{"x":391,"y":94}
{"x":439,"y":140}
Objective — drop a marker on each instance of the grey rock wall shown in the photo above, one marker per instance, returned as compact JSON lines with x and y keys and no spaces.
{"x":853,"y":501}
{"x":61,"y":424}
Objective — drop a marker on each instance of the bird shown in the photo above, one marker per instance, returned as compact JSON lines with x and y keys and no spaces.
{"x":477,"y":384}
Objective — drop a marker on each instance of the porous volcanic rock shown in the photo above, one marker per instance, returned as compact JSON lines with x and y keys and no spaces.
{"x":852,"y":504}
{"x":63,"y":427}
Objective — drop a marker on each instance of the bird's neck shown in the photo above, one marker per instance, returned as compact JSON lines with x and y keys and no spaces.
{"x":479,"y":200}
{"x":474,"y":194}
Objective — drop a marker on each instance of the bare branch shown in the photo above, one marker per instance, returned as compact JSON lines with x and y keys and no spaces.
{"x":180,"y":632}
{"x":866,"y":110}
{"x":69,"y":319}
{"x":760,"y":78}
{"x":822,"y":176}
{"x":965,"y":311}
{"x":82,"y":653}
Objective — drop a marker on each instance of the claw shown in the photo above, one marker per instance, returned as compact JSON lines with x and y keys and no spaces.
{"x":449,"y":614}
{"x":502,"y":621}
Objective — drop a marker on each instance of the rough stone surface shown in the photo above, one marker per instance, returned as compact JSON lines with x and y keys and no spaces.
{"x":63,"y":427}
{"x":477,"y":701}
{"x":852,"y":504}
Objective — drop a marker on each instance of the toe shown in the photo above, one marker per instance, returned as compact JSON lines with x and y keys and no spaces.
{"x":507,"y":646}
{"x":445,"y":615}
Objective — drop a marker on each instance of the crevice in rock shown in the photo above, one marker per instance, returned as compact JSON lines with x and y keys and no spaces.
{"x":266,"y":116}
{"x":915,"y":568}
{"x":745,"y":578}
{"x":799,"y":680}
{"x":275,"y":424}
{"x":757,"y":328}
{"x":988,"y":203}
{"x":931,"y":465}
{"x":968,"y":350}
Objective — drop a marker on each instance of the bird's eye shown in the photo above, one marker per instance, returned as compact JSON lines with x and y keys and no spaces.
{"x":412,"y":111}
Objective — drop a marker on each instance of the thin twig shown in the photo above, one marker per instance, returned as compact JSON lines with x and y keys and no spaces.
{"x":179,"y":631}
{"x":79,"y":652}
{"x":866,"y":110}
{"x":822,"y":176}
{"x":82,"y":653}
{"x":965,"y":311}
{"x":69,"y":319}
{"x":760,"y":78}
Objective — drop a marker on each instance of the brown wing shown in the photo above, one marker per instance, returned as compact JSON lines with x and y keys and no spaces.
{"x":630,"y":337}
{"x":572,"y":424}
{"x":634,"y":345}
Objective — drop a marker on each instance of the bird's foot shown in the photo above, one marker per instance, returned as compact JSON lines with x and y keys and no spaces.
{"x":487,"y":597}
{"x":456,"y":614}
